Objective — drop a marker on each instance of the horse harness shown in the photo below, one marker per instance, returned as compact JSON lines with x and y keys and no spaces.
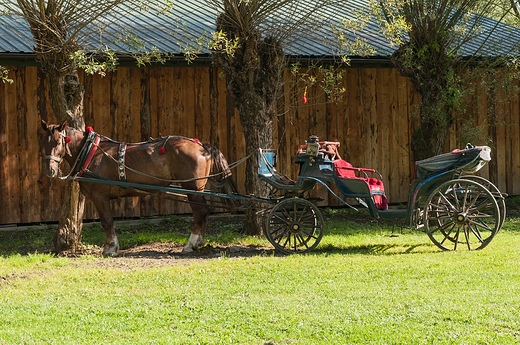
{"x":89,"y":149}
{"x":121,"y":162}
{"x":121,"y":152}
{"x":85,"y":155}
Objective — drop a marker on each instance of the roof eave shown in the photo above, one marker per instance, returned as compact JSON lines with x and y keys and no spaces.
{"x":29,"y":59}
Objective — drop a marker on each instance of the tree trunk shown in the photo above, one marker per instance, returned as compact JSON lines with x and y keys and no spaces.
{"x":258,"y":131}
{"x":434,"y":80}
{"x":253,"y":75}
{"x":428,"y":140}
{"x":66,"y":98}
{"x":69,"y":233}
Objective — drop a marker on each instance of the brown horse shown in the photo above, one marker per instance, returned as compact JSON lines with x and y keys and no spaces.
{"x":156,"y":162}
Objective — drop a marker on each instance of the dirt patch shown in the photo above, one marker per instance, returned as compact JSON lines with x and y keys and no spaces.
{"x":173,"y":252}
{"x":169,"y":254}
{"x":157,"y":254}
{"x":145,"y":255}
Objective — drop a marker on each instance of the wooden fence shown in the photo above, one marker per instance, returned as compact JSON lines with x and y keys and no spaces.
{"x":373,"y":122}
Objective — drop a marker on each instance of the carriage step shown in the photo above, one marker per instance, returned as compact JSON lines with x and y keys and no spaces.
{"x":393,"y":214}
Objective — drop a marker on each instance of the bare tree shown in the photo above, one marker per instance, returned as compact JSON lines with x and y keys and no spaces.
{"x":260,"y":30}
{"x":59,"y":27}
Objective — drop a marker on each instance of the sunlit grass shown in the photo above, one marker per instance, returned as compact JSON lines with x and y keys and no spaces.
{"x":360,"y":286}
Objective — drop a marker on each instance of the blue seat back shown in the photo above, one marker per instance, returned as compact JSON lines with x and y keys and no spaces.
{"x":264,"y":156}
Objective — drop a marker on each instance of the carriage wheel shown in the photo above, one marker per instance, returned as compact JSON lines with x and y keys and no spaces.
{"x":501,"y":202}
{"x":461,"y":213}
{"x":294,"y":226}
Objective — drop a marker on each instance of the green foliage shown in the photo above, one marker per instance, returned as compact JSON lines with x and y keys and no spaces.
{"x":220,"y":43}
{"x":348,"y":40}
{"x":93,"y":65}
{"x":217,"y":42}
{"x":4,"y":75}
{"x":327,"y":78}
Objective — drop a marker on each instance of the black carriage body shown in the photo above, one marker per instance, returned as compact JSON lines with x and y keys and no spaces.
{"x":454,"y":210}
{"x":431,"y":173}
{"x":321,"y":169}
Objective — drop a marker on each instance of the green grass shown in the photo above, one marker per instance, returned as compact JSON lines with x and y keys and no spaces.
{"x":358,"y":287}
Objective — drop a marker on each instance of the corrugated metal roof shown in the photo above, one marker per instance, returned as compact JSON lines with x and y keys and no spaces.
{"x":190,"y":19}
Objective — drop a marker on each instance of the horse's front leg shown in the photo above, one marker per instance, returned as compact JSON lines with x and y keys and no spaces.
{"x":200,"y":221}
{"x":111,"y":246}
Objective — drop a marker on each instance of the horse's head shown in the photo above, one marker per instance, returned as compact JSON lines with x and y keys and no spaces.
{"x":53,"y":148}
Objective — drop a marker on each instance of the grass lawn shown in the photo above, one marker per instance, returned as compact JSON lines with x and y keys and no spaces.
{"x":358,"y":287}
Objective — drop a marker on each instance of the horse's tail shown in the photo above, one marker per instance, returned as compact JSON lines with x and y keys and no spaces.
{"x":223,"y":179}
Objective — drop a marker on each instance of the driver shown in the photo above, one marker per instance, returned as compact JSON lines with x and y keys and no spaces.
{"x":330,"y":151}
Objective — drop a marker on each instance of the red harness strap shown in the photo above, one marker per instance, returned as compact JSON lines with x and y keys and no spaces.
{"x":90,"y":155}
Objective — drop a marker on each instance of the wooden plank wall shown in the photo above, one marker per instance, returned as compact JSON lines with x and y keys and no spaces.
{"x":372,"y":121}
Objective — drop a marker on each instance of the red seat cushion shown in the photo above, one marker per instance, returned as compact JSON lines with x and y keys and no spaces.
{"x":374,"y":184}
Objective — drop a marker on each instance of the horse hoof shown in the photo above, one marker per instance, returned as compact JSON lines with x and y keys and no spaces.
{"x":187,"y":250}
{"x":110,"y":251}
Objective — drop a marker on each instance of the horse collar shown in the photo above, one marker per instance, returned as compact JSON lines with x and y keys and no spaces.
{"x":90,"y":149}
{"x":85,"y":155}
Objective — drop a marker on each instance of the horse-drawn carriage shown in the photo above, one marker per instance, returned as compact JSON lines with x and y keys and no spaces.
{"x":454,"y":209}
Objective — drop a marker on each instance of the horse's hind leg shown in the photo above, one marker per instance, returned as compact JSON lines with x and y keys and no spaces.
{"x":111,"y":246}
{"x":200,"y":221}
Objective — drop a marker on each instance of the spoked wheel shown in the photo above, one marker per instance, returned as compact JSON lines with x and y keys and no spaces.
{"x":501,"y":202}
{"x":294,"y":226}
{"x":461,"y":213}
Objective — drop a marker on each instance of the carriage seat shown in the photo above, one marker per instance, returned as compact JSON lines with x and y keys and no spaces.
{"x":345,"y":170}
{"x":268,"y":173}
{"x":469,"y":160}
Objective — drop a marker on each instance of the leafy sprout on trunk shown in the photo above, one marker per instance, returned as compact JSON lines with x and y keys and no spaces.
{"x":4,"y":75}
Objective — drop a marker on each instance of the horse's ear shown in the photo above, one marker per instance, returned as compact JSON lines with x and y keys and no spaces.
{"x":44,"y":125}
{"x":63,"y":125}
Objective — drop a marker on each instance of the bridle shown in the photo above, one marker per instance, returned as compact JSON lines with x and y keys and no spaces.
{"x":63,"y":135}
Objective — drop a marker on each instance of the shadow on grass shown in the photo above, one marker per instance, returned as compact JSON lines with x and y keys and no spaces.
{"x":155,"y":251}
{"x":375,"y":249}
{"x":171,"y":251}
{"x":159,"y":242}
